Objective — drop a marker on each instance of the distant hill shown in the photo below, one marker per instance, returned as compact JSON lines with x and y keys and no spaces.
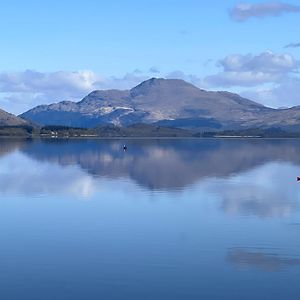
{"x":165,"y":102}
{"x":7,"y":119}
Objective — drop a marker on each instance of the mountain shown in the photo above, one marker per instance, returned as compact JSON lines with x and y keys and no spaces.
{"x":7,"y":119}
{"x":165,"y":102}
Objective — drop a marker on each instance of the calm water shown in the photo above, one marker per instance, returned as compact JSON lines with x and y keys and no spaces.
{"x":167,"y":219}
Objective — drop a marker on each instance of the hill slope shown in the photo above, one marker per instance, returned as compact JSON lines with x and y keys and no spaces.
{"x":7,"y":119}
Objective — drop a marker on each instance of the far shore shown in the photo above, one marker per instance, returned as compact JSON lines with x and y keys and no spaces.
{"x":142,"y":138}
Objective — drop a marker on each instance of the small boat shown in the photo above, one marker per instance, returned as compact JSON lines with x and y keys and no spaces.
{"x":125,"y":148}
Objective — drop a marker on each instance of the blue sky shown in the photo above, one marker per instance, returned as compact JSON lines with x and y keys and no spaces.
{"x":61,"y":50}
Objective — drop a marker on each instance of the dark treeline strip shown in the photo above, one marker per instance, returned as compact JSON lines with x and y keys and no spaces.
{"x":24,"y":130}
{"x":138,"y":130}
{"x":253,"y":132}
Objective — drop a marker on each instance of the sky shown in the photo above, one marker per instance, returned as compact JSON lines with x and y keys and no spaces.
{"x":61,"y":50}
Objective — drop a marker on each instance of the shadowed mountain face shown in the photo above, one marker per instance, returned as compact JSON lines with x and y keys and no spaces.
{"x":168,"y":102}
{"x":7,"y":119}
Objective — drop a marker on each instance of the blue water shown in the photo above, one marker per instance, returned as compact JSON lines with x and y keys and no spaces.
{"x":166,"y":219}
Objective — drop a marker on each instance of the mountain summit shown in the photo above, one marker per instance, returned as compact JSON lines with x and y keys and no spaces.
{"x":169,"y":102}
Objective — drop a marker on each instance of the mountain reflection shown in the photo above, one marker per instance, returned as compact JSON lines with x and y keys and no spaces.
{"x":248,"y":177}
{"x":10,"y":145}
{"x":164,"y":164}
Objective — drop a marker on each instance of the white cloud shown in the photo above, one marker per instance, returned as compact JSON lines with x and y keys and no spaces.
{"x":244,"y":11}
{"x":284,"y":94}
{"x":266,"y":62}
{"x":230,"y":79}
{"x":34,"y":82}
{"x":253,"y":70}
{"x":20,"y":91}
{"x":270,"y":79}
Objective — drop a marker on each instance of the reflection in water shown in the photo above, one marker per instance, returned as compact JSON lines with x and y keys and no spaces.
{"x":8,"y":146}
{"x":23,"y":176}
{"x":269,"y":190}
{"x":271,"y":262}
{"x":159,"y":223}
{"x":251,"y":177}
{"x":165,"y":164}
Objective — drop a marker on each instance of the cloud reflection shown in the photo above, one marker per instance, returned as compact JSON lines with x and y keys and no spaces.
{"x":266,"y":191}
{"x":21,"y":175}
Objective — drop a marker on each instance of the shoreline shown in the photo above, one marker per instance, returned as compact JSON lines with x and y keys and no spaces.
{"x":145,"y":138}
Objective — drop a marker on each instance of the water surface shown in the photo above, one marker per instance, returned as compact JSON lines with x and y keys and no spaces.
{"x":166,"y":219}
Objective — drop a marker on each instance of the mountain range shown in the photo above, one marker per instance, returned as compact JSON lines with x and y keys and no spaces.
{"x":163,"y":102}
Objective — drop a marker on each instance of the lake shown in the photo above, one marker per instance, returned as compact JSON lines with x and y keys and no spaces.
{"x":166,"y":219}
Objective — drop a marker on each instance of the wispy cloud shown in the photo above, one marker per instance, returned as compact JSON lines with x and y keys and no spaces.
{"x":154,"y":70}
{"x":244,"y":11}
{"x":292,"y":45}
